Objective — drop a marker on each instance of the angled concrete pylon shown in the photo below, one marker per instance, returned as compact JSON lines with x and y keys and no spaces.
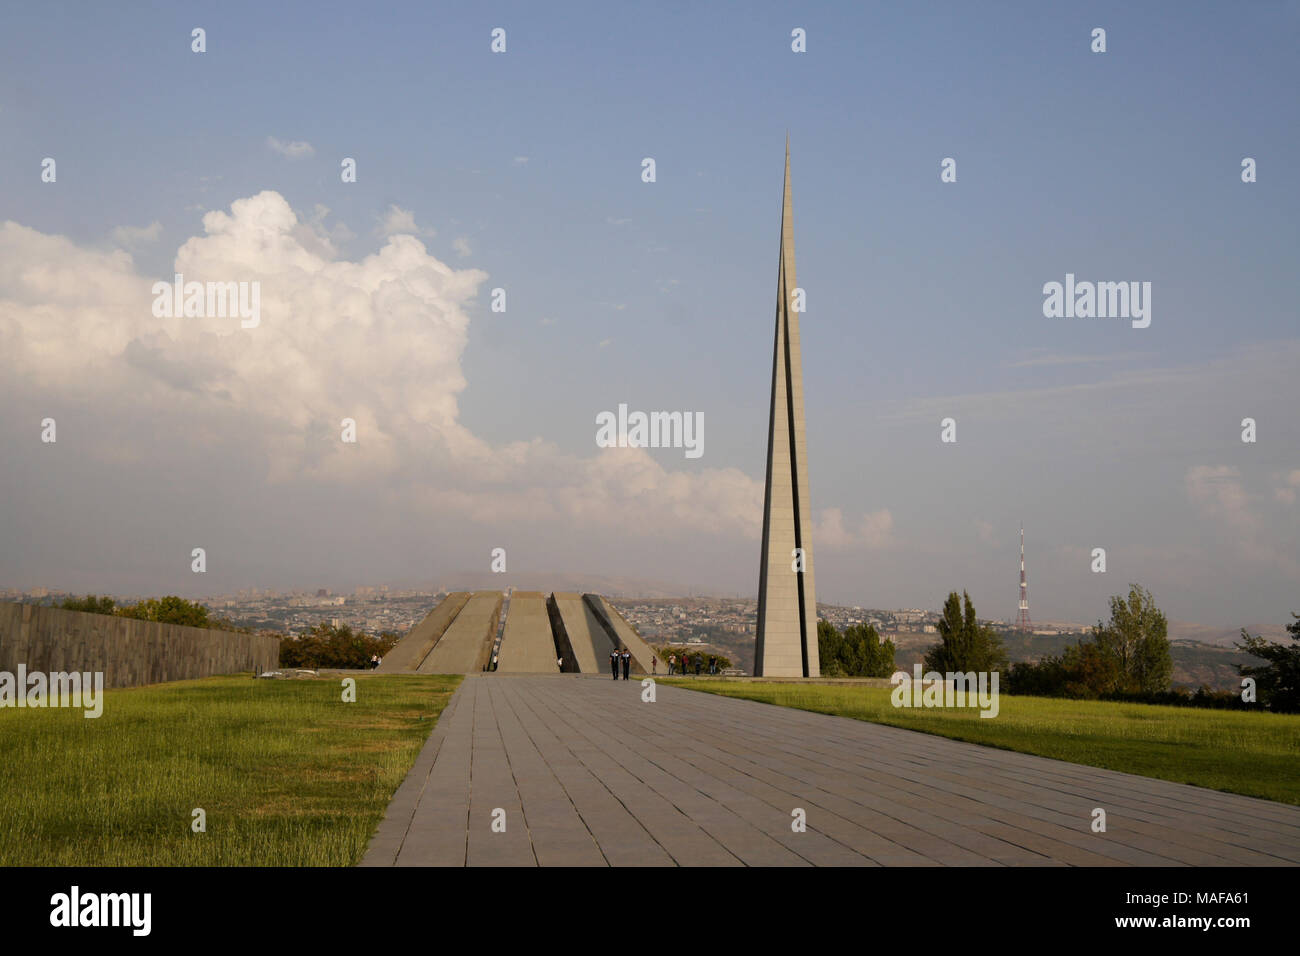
{"x":787,"y":602}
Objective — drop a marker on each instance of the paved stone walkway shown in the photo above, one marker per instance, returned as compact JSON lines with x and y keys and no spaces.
{"x":588,"y":774}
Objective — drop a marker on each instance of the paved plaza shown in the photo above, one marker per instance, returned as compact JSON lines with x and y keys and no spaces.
{"x":588,"y":774}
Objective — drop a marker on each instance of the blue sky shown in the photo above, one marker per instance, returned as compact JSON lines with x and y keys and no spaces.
{"x":924,"y":298}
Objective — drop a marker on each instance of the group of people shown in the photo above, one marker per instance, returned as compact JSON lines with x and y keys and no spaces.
{"x":620,"y":658}
{"x":687,"y":661}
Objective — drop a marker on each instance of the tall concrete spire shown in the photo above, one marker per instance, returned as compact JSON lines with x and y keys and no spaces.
{"x":787,"y":602}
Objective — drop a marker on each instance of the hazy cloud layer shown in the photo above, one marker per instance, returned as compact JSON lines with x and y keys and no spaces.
{"x":296,"y":149}
{"x":136,"y":235}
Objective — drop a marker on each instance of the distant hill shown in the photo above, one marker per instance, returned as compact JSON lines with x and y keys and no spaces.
{"x":608,"y":585}
{"x":1224,"y":636}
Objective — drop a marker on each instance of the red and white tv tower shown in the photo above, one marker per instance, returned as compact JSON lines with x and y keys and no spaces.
{"x":1022,"y":619}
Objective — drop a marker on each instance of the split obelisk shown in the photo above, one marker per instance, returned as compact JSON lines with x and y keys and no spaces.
{"x":787,"y":602}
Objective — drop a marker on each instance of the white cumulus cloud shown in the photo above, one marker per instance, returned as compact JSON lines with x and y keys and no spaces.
{"x":379,"y":340}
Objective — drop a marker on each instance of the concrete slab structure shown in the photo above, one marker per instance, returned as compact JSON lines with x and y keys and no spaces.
{"x":621,"y":633}
{"x":466,"y":645}
{"x":456,"y":636}
{"x":409,"y":653}
{"x":527,"y":645}
{"x":786,"y":638}
{"x":577,"y":625}
{"x":589,"y":774}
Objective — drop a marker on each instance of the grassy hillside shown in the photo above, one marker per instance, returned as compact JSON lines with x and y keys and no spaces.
{"x":287,"y":773}
{"x":1241,"y":752}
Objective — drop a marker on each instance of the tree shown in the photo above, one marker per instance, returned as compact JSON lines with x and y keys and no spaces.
{"x":327,"y":646}
{"x":1278,"y":681}
{"x":168,"y":610}
{"x":1089,"y":671}
{"x":830,"y":649}
{"x":1041,"y":678}
{"x":90,"y":604}
{"x":1136,"y":640}
{"x":964,"y":645}
{"x":870,"y":656}
{"x":224,"y":623}
{"x":857,"y":651}
{"x":1081,"y":670}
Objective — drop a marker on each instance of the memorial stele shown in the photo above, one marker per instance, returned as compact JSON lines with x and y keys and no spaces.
{"x":786,"y":644}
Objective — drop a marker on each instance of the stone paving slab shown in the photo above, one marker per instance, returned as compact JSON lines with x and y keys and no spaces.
{"x":587,"y":774}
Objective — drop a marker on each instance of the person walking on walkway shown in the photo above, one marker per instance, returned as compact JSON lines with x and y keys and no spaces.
{"x":686,"y":664}
{"x":613,"y":662}
{"x":699,"y":660}
{"x":672,"y":664}
{"x":654,"y":665}
{"x":627,"y":663}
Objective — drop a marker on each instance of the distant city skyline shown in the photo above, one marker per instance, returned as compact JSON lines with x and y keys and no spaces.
{"x":523,"y":173}
{"x":631,"y":590}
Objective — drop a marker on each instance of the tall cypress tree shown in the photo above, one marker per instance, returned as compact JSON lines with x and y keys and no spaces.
{"x":963,"y":644}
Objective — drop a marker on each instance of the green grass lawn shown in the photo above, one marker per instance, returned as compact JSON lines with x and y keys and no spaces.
{"x":1257,"y":754}
{"x":287,"y":772}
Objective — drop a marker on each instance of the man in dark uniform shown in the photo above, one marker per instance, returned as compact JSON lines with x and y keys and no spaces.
{"x":613,"y":662}
{"x":627,"y":663}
